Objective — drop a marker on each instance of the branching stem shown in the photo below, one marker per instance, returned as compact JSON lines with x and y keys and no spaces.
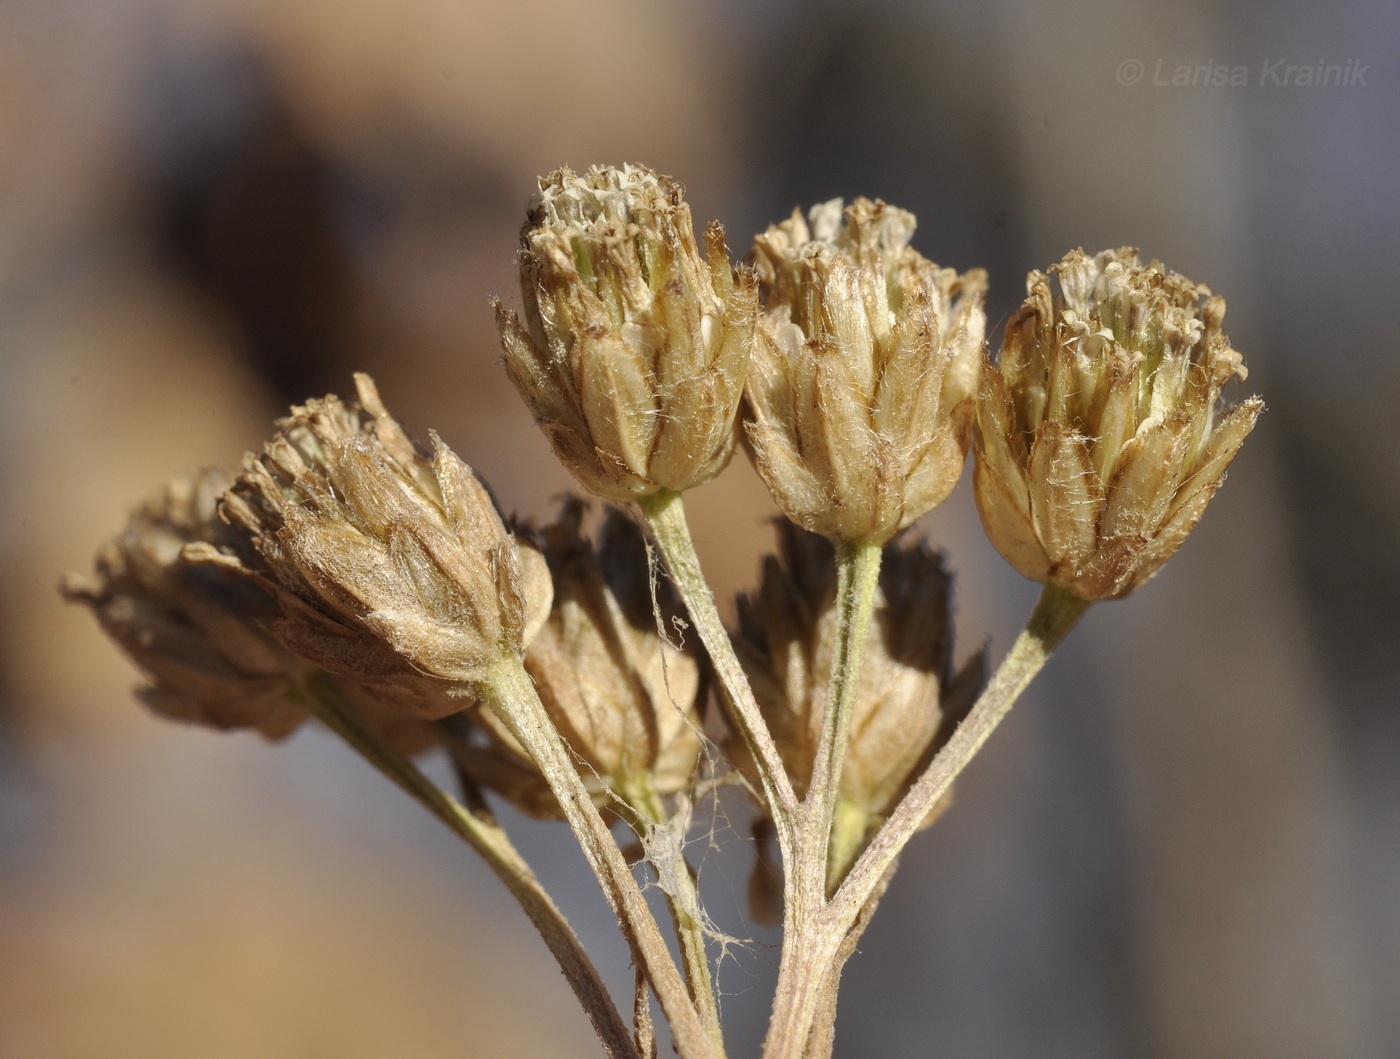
{"x":511,"y":694}
{"x":1054,"y":616}
{"x":814,"y":935}
{"x":489,"y":839}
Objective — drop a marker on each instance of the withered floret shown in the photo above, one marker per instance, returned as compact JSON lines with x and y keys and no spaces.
{"x":392,"y":564}
{"x":626,"y":701}
{"x":194,"y":629}
{"x":633,"y":345}
{"x":909,"y":697}
{"x":862,"y":388}
{"x":1099,"y":443}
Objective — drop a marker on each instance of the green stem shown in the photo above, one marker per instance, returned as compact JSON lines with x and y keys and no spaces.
{"x":510,"y":693}
{"x":490,"y":840}
{"x":1054,"y":616}
{"x":857,"y":576}
{"x":811,"y":935}
{"x":665,"y":516}
{"x":849,"y":825}
{"x":646,"y":811}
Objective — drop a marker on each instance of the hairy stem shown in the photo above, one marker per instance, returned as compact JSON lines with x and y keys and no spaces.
{"x":1054,"y":616}
{"x":811,"y":944}
{"x":490,"y":840}
{"x":858,"y":575}
{"x":665,"y":516}
{"x":646,"y":811}
{"x":806,"y":986}
{"x":811,"y":935}
{"x":823,"y":1034}
{"x":511,"y":694}
{"x":641,"y":1017}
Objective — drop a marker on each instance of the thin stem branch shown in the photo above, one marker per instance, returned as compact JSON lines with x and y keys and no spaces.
{"x":646,"y":811}
{"x":665,"y":516}
{"x":811,"y":936}
{"x":857,"y":576}
{"x":1054,"y":616}
{"x":509,"y":691}
{"x":490,"y":840}
{"x":641,"y":1017}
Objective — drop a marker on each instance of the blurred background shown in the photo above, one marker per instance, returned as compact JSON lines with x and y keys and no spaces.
{"x":1184,"y":844}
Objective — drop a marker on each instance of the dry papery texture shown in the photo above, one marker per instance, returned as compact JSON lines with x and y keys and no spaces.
{"x":191,"y":628}
{"x":173,"y":591}
{"x":908,"y":699}
{"x":1099,"y":441}
{"x":633,"y":345}
{"x":626,"y":700}
{"x":862,"y":389}
{"x":390,"y":565}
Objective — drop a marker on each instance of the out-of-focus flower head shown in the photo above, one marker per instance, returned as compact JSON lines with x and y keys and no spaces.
{"x":908,"y":697}
{"x":193,"y":629}
{"x":626,"y":701}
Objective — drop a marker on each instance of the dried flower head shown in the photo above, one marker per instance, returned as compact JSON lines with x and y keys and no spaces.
{"x":862,"y":388}
{"x":193,"y":629}
{"x":908,"y":698}
{"x":625,"y":700}
{"x":393,"y":566}
{"x":633,"y":347}
{"x":179,"y":593}
{"x":1098,"y":443}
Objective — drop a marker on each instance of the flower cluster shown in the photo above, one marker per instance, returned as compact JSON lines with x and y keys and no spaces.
{"x":391,"y":563}
{"x":194,"y":630}
{"x":353,"y":573}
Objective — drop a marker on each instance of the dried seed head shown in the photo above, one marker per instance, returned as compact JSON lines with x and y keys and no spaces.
{"x":194,"y":630}
{"x":1098,"y":441}
{"x":626,"y":701}
{"x":908,"y":699}
{"x":179,"y":593}
{"x":862,"y":388}
{"x":633,"y":347}
{"x":392,"y":566}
